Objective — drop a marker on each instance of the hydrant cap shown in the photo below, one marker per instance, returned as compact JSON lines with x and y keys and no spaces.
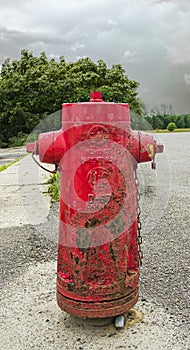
{"x":96,"y":96}
{"x":31,"y":147}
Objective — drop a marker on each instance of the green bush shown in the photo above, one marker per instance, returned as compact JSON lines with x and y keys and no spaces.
{"x":2,"y":143}
{"x":171,"y":126}
{"x":17,"y":141}
{"x":54,"y":188}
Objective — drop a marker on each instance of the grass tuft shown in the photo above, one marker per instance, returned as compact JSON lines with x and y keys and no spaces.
{"x":4,"y":167}
{"x":54,"y":187}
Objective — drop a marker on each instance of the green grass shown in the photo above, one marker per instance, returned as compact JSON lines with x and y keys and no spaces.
{"x":182,"y":130}
{"x":54,"y":187}
{"x":166,"y":131}
{"x":4,"y":167}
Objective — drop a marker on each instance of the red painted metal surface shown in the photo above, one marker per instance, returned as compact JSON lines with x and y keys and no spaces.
{"x":31,"y":147}
{"x":97,"y":153}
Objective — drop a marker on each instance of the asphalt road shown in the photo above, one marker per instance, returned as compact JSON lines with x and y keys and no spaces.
{"x":8,"y":155}
{"x":30,"y":316}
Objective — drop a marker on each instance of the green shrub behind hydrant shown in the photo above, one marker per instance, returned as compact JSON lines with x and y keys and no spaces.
{"x":54,"y":188}
{"x":171,"y":126}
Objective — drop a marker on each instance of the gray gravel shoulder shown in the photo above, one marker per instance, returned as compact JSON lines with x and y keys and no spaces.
{"x":32,"y":320}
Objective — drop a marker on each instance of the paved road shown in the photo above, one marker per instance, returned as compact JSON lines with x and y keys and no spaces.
{"x":8,"y":155}
{"x":31,"y":318}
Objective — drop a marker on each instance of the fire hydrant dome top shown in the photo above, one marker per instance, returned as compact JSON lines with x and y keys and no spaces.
{"x":96,"y":110}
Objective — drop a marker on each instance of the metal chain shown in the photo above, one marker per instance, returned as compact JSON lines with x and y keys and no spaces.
{"x":49,"y":171}
{"x":139,"y":225}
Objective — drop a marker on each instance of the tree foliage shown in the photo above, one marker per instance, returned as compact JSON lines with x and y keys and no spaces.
{"x":160,"y":117}
{"x":34,"y":87}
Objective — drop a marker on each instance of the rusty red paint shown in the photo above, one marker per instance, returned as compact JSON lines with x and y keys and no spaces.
{"x":97,"y":152}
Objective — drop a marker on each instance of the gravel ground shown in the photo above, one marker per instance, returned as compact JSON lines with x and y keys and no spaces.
{"x":30,"y":316}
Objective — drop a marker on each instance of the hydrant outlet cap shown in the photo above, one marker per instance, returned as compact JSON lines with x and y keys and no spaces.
{"x":31,"y":147}
{"x":159,"y":148}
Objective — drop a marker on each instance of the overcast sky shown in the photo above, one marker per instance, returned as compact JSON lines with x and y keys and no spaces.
{"x":150,"y":38}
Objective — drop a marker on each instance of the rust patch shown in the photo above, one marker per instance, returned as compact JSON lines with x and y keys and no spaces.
{"x":112,"y":253}
{"x":71,"y":286}
{"x":92,"y":222}
{"x":83,"y":240}
{"x":117,"y":225}
{"x":77,"y":260}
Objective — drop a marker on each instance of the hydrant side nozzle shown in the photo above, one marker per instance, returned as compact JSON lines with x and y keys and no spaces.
{"x":32,"y":147}
{"x":159,"y":148}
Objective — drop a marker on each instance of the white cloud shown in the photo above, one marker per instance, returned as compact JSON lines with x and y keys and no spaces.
{"x":187,"y":79}
{"x":107,"y":24}
{"x":76,"y":47}
{"x":179,"y":55}
{"x":131,"y":57}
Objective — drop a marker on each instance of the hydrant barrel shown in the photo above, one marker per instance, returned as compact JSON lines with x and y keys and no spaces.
{"x":98,"y":251}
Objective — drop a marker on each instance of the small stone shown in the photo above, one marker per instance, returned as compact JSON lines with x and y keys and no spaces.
{"x":119,"y":321}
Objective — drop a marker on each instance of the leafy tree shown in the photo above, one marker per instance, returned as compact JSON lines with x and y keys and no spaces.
{"x":180,"y":121}
{"x":34,"y":87}
{"x":161,"y":116}
{"x":187,"y":120}
{"x":162,"y":121}
{"x":156,"y":121}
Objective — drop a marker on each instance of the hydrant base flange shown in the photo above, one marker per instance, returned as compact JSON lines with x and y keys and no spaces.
{"x":101,"y":309}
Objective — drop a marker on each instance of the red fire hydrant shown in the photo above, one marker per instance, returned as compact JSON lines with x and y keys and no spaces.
{"x":99,"y":242}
